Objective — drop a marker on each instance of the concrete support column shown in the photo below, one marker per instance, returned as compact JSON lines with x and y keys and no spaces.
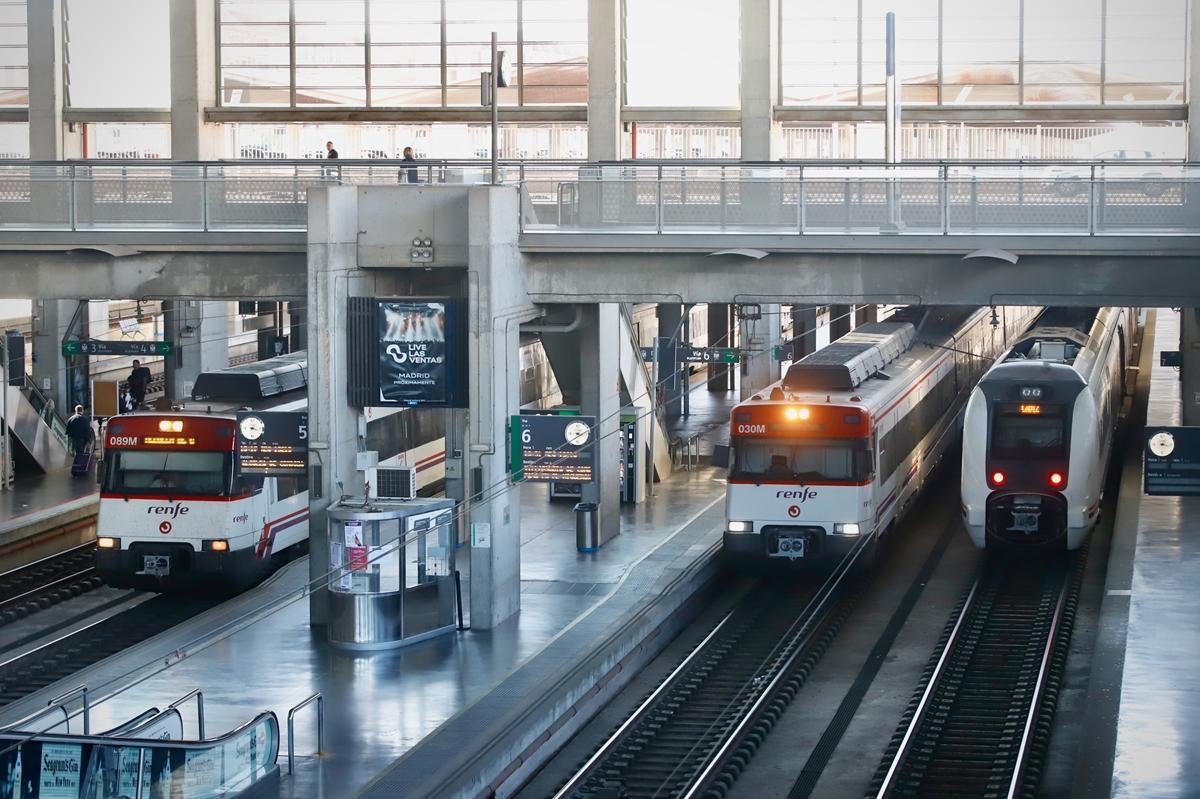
{"x":297,"y":326}
{"x":604,"y":80}
{"x":200,"y":330}
{"x":1189,"y":346}
{"x":193,"y":80}
{"x":761,"y":138}
{"x":333,"y":276}
{"x":670,"y":325}
{"x":865,"y":313}
{"x":44,"y":30}
{"x":1193,"y":84}
{"x":804,"y":331}
{"x":600,"y":376}
{"x":61,"y":378}
{"x":759,"y":337}
{"x":498,"y":305}
{"x":720,"y":334}
{"x":841,"y":321}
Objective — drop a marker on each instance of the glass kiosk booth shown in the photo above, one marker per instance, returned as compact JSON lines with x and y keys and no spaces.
{"x":391,"y":577}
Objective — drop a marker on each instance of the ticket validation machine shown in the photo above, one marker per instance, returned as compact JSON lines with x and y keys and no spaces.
{"x":392,"y":572}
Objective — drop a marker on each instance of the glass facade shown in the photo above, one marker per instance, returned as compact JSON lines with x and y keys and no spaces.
{"x":446,"y":140}
{"x":408,"y":53}
{"x":682,"y":53}
{"x":14,"y":55}
{"x":657,"y":140}
{"x":118,"y":54}
{"x":127,"y":140}
{"x":14,"y":140}
{"x":985,"y":52}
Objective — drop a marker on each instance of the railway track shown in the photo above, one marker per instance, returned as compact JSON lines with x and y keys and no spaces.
{"x":980,"y":724}
{"x":696,"y":731}
{"x":46,"y":582}
{"x":62,"y":657}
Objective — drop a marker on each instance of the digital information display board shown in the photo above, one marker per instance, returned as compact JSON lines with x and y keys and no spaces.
{"x":272,"y":443}
{"x":557,"y":449}
{"x":1172,"y":461}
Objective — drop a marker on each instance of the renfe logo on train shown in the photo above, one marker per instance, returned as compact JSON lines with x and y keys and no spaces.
{"x":174,"y":511}
{"x":804,"y":493}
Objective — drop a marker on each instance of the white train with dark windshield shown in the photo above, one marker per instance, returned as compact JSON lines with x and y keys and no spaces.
{"x":828,"y":458}
{"x":1038,"y":431}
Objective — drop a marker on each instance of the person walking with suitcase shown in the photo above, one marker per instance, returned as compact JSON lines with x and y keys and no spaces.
{"x":79,"y":431}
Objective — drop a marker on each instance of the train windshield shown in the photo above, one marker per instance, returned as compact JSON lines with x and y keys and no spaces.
{"x":1018,"y":436}
{"x":834,"y":460}
{"x":168,"y":473}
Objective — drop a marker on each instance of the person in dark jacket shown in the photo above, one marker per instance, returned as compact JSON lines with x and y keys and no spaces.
{"x":79,"y":430}
{"x":329,"y":151}
{"x":409,"y":173}
{"x":139,"y":380}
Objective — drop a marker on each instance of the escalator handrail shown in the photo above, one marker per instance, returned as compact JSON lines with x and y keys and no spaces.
{"x":12,"y":736}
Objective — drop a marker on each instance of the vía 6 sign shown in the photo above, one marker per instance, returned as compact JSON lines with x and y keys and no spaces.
{"x":552,"y":448}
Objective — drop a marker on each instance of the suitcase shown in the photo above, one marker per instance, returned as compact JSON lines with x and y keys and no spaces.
{"x":82,"y":464}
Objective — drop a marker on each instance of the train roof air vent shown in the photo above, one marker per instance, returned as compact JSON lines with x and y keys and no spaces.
{"x":853,"y":358}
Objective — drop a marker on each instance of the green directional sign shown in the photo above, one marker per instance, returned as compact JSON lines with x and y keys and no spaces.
{"x":711,"y":354}
{"x":98,"y":347}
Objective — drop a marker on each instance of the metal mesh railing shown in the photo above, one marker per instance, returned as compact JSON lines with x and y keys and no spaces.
{"x":1123,"y":198}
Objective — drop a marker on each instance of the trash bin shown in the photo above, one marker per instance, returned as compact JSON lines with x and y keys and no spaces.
{"x":586,"y":534}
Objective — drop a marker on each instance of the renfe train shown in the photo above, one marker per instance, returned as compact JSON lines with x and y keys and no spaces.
{"x":827,"y":459}
{"x":1038,"y":431}
{"x":173,"y":513}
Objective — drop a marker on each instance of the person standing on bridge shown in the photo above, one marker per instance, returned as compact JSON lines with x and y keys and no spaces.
{"x":79,"y":430}
{"x":409,"y":173}
{"x":139,"y":381}
{"x":329,"y":151}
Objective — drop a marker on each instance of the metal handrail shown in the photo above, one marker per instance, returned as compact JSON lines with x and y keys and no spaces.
{"x":199,"y":696}
{"x":320,"y":726}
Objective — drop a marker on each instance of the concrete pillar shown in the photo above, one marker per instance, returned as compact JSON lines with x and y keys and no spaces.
{"x":297,"y":326}
{"x":1189,"y":346}
{"x":44,"y":30}
{"x":604,"y":80}
{"x":63,"y":379}
{"x":193,"y":80}
{"x":333,"y":276}
{"x":1193,"y":84}
{"x":720,"y":334}
{"x":759,"y":337}
{"x":200,"y":330}
{"x":865,"y":313}
{"x":599,"y":357}
{"x":761,"y":136}
{"x":498,"y":305}
{"x":841,"y":321}
{"x":670,"y":325}
{"x":804,"y":331}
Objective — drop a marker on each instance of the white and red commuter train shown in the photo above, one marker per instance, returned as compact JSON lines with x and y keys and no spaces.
{"x":1038,"y":431}
{"x":827,"y":459}
{"x":173,"y":515}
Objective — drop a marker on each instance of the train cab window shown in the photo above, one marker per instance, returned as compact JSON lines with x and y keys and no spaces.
{"x":821,"y":459}
{"x":1020,"y":436}
{"x":247,"y":484}
{"x":168,"y":473}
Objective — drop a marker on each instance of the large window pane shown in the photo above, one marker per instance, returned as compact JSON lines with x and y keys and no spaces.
{"x":119,"y":54}
{"x":682,"y":53}
{"x":819,"y":53}
{"x":916,"y":49}
{"x":14,"y":139}
{"x":14,"y":77}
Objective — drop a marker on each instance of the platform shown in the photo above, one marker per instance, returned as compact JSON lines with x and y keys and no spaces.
{"x":45,"y":514}
{"x":380,"y":707}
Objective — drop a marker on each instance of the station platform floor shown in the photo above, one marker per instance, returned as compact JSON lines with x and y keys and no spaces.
{"x":258,"y":652}
{"x":36,"y":505}
{"x":1155,"y":741}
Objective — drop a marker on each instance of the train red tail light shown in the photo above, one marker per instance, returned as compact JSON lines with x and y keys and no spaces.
{"x":1057,"y":479}
{"x":998,"y":478}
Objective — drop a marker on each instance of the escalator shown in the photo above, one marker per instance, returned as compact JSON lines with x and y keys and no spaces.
{"x":38,"y":434}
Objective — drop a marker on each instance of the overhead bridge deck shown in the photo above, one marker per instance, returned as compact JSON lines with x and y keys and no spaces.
{"x":1090,"y":233}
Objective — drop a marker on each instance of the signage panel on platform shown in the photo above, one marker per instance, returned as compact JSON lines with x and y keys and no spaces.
{"x":554,"y":448}
{"x":1172,"y":461}
{"x":98,"y":347}
{"x":272,"y":443}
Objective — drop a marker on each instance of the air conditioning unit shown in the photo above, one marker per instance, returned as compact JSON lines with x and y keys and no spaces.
{"x":393,"y":483}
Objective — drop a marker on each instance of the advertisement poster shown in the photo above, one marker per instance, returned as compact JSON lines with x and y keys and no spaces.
{"x":339,"y":578}
{"x":413,"y":353}
{"x":60,"y":772}
{"x":356,"y":549}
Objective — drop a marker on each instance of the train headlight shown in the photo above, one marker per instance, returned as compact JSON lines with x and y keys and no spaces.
{"x":170,"y":426}
{"x":1057,"y":479}
{"x":849,"y":528}
{"x":740,"y":527}
{"x":794,"y":414}
{"x":216,"y":545}
{"x":108,"y":542}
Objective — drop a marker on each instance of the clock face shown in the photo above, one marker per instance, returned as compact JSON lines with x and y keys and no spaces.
{"x":1162,"y":444}
{"x":577,"y":434}
{"x":252,"y":428}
